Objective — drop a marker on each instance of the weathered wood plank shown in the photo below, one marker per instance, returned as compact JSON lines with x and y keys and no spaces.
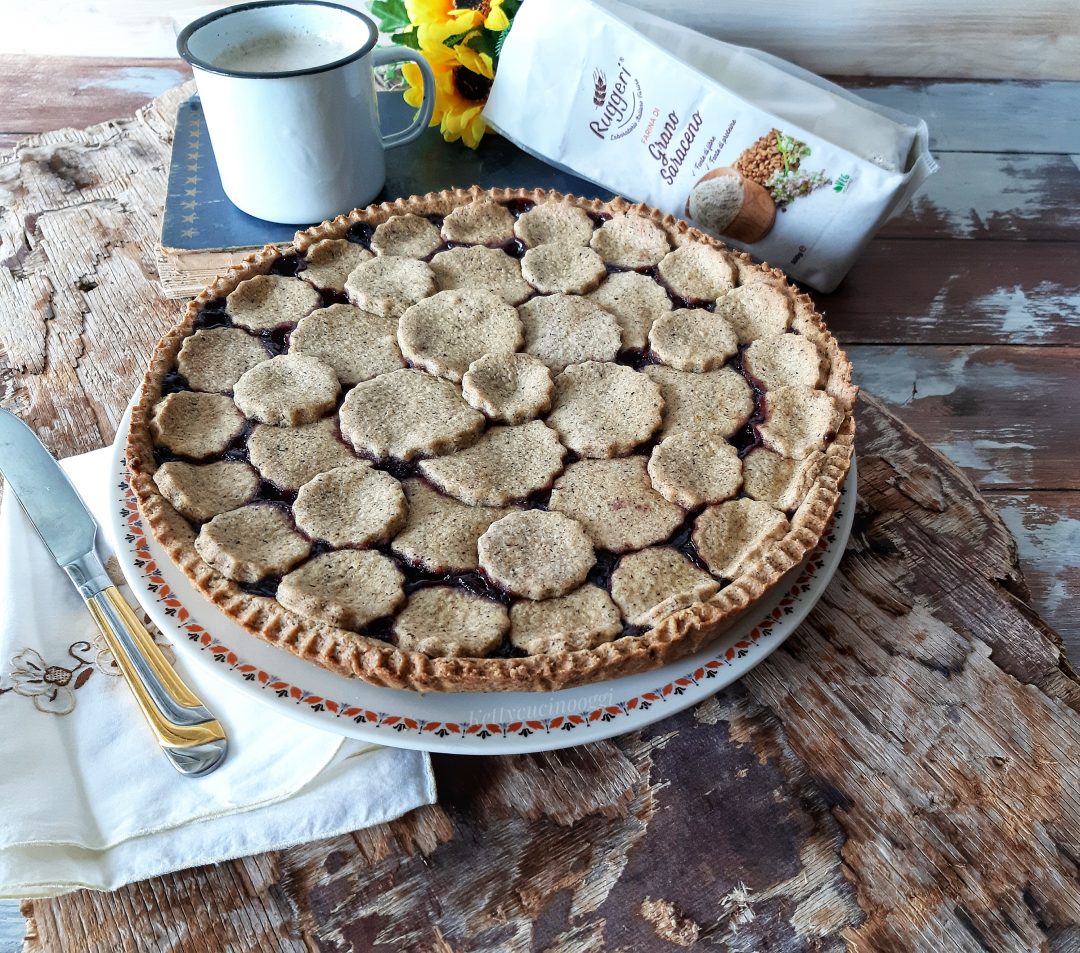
{"x":968,"y":116}
{"x":44,"y":92}
{"x":78,"y":309}
{"x":890,"y":37}
{"x":1006,"y":415}
{"x":949,"y":292}
{"x":1046,"y":526}
{"x":995,"y":196}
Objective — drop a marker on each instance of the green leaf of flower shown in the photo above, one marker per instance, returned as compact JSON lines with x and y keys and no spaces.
{"x":391,"y":14}
{"x":407,"y":38}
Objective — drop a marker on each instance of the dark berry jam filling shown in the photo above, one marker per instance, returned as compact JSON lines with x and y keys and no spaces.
{"x":360,"y":233}
{"x":212,"y":315}
{"x":515,"y":248}
{"x":174,"y":382}
{"x":519,"y":207}
{"x":288,"y":266}
{"x":264,"y":587}
{"x":683,"y":541}
{"x":748,"y":437}
{"x":276,"y":341}
{"x":332,"y":296}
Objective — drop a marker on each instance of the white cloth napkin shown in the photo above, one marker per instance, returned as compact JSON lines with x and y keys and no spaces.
{"x":86,"y":797}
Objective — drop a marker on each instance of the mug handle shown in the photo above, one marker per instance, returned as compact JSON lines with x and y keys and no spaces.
{"x":383,"y":56}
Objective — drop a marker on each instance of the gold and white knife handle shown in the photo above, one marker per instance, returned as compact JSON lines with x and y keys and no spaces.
{"x":188,"y":733}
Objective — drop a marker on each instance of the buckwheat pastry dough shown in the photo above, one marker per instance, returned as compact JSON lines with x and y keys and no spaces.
{"x":287,"y":390}
{"x":694,"y":467}
{"x":717,"y":401}
{"x":505,"y":465}
{"x":445,"y":333}
{"x":536,"y":554}
{"x":330,"y":262}
{"x":442,"y":622}
{"x":570,"y":269}
{"x":349,"y":588}
{"x":783,"y":359}
{"x":728,"y":534}
{"x":408,"y":414}
{"x":698,"y":272}
{"x":563,"y":329}
{"x":650,"y":584}
{"x":440,"y":534}
{"x":288,"y":457}
{"x":554,"y":222}
{"x":265,"y":302}
{"x":692,"y":339}
{"x":409,"y":236}
{"x":201,"y":491}
{"x":616,"y":503}
{"x":352,"y":505}
{"x":582,"y":619}
{"x":214,"y":359}
{"x":253,"y":542}
{"x":508,"y":388}
{"x":781,"y":482}
{"x":357,"y":345}
{"x":389,"y":284}
{"x":637,"y":303}
{"x":603,"y":409}
{"x":799,"y":420}
{"x":629,"y":241}
{"x":196,"y":425}
{"x":489,"y":269}
{"x":483,"y":222}
{"x":756,"y":310}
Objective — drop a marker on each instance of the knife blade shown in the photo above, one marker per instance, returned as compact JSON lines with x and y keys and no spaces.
{"x":188,"y":733}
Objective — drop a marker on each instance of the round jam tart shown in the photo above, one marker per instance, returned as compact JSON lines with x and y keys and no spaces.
{"x":493,"y":440}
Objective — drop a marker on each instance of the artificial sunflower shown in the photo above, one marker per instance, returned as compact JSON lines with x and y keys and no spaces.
{"x":463,"y":78}
{"x":461,"y":40}
{"x":465,"y":96}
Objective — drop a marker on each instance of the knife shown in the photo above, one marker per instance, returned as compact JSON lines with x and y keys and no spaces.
{"x":190,"y":736}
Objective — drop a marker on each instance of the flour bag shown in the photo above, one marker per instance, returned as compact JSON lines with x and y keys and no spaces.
{"x":753,"y":150}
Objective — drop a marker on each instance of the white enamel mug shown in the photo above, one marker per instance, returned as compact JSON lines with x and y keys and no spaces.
{"x":289,"y":97}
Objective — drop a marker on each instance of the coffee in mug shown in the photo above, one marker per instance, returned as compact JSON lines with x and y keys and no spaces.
{"x":288,"y":93}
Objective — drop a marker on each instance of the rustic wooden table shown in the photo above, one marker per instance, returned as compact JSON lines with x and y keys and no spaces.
{"x":902,"y":774}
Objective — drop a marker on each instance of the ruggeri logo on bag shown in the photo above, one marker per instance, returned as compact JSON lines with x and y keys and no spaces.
{"x":619,"y":101}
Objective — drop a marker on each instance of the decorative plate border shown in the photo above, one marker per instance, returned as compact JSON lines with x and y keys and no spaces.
{"x":396,"y":725}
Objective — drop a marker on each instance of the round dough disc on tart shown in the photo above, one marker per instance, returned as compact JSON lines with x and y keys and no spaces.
{"x":548,"y":441}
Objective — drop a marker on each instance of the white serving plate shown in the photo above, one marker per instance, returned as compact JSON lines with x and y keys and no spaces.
{"x":473,"y":723}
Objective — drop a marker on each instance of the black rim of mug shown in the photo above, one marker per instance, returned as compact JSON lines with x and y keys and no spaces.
{"x":192,"y":28}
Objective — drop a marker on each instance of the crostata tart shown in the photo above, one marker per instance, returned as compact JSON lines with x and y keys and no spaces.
{"x":501,"y":440}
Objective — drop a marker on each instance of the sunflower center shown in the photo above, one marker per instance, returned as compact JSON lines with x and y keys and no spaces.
{"x":472,"y":86}
{"x":483,"y":7}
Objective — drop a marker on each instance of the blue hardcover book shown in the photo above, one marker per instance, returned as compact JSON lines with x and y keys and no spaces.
{"x":202,"y":232}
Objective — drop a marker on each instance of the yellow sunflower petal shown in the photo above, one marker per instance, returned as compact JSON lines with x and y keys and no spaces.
{"x":472,"y":60}
{"x":496,"y":18}
{"x":428,"y":11}
{"x":466,"y":19}
{"x":474,"y":132}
